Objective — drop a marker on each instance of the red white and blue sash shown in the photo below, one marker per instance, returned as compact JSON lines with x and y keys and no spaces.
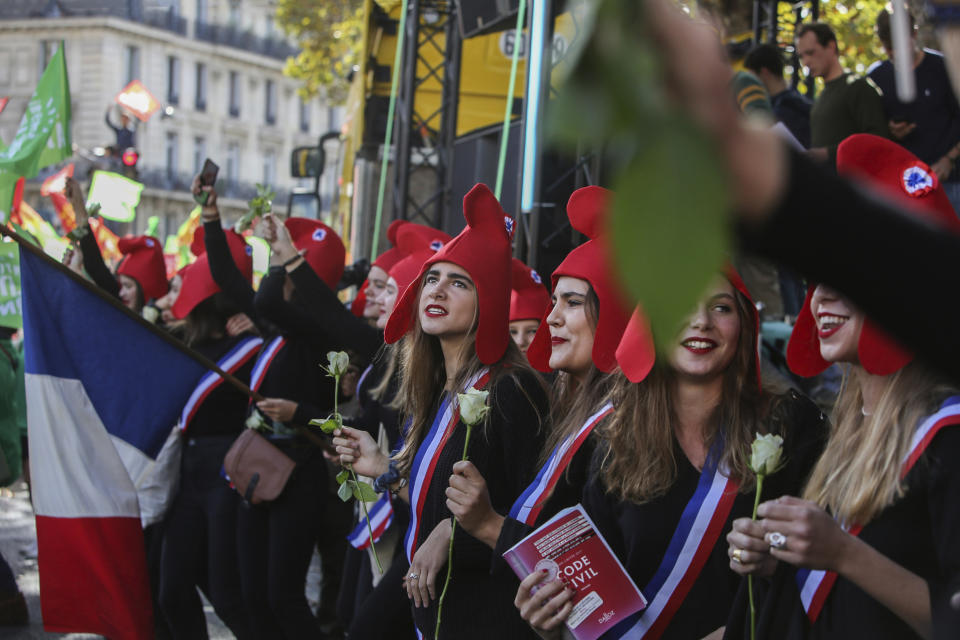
{"x":528,"y":506}
{"x":235,"y":358}
{"x":425,"y":461}
{"x":693,"y":540}
{"x":815,"y":585}
{"x":381,"y":515}
{"x":264,"y":360}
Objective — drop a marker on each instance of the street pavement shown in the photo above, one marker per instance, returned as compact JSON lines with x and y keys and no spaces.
{"x":18,"y":538}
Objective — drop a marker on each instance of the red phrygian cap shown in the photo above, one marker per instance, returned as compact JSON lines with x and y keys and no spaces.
{"x":143,"y":261}
{"x":324,"y":248}
{"x":483,"y":249}
{"x":903,"y":178}
{"x":529,"y":298}
{"x":587,"y":210}
{"x":198,"y":283}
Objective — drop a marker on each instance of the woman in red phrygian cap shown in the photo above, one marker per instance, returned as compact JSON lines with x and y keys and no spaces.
{"x":200,"y":529}
{"x":529,"y":299}
{"x":889,"y":472}
{"x":577,"y":337}
{"x":275,"y":540}
{"x":677,"y":442}
{"x":454,"y":321}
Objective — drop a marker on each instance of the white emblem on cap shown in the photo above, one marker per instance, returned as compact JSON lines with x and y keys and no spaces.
{"x":917,"y":181}
{"x":319,"y":235}
{"x":436,"y":245}
{"x":248,"y":250}
{"x":535,"y":276}
{"x":150,"y":242}
{"x":508,"y":222}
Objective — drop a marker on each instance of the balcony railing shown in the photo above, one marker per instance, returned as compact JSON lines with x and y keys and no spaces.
{"x":232,"y":37}
{"x":165,"y":19}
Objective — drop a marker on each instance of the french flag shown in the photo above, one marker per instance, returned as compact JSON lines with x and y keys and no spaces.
{"x":103,"y":393}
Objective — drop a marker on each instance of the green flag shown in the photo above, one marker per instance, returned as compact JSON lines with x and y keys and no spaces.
{"x":10,"y":285}
{"x":43,"y":137}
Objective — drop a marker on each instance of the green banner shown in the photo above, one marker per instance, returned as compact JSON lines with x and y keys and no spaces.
{"x":10,"y":285}
{"x":117,"y":195}
{"x":43,"y":137}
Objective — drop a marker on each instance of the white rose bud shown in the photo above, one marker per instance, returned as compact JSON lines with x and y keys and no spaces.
{"x":473,"y":406}
{"x":339,"y":361}
{"x":150,"y":314}
{"x":765,"y":454}
{"x":254,"y":421}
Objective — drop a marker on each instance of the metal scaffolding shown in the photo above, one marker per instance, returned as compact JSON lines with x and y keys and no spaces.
{"x":423,"y":141}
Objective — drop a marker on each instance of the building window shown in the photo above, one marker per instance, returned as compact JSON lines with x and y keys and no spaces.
{"x":233,"y":162}
{"x":173,"y":80}
{"x":199,"y":153}
{"x":304,"y":116}
{"x":268,"y":27}
{"x":171,"y":155}
{"x":235,"y":15}
{"x":270,"y":111}
{"x":200,"y":103}
{"x":269,"y":167}
{"x":202,"y":11}
{"x":234,"y":106}
{"x":133,"y":65}
{"x":47,"y":49}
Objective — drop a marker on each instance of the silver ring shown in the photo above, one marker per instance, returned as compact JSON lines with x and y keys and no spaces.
{"x":778,"y":540}
{"x":414,"y":576}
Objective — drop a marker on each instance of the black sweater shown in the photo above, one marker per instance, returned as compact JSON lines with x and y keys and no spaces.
{"x":224,"y":410}
{"x":480,"y":604}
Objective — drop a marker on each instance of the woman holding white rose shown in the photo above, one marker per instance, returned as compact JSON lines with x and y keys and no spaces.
{"x":577,"y":337}
{"x":870,"y":548}
{"x":672,"y":470}
{"x":455,"y":326}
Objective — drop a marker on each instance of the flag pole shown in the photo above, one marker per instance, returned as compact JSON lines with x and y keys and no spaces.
{"x":103,"y":295}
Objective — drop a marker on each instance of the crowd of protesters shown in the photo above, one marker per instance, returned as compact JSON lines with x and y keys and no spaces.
{"x":856,"y":535}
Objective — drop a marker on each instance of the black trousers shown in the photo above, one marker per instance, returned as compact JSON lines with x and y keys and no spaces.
{"x":275,"y":542}
{"x":200,"y":545}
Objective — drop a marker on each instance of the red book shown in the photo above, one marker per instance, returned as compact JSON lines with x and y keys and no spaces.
{"x":569,"y":546}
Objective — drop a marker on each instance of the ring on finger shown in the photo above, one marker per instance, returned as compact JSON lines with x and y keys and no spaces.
{"x":414,"y":576}
{"x":777,"y":540}
{"x":736,"y":556}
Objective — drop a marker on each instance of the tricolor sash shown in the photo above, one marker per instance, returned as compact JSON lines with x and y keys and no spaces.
{"x":528,"y":506}
{"x":693,"y":540}
{"x":815,"y":584}
{"x":381,"y":515}
{"x":235,"y":358}
{"x":425,"y":461}
{"x":264,"y":360}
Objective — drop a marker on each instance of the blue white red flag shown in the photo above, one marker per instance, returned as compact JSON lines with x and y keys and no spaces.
{"x":103,"y":392}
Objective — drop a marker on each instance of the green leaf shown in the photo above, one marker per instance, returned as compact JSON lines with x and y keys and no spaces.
{"x":342,"y":476}
{"x":363,"y":491}
{"x":328,"y":425}
{"x":345,"y":491}
{"x":669,"y":226}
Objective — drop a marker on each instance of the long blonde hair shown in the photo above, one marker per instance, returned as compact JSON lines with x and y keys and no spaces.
{"x":640,"y":462}
{"x":858,"y":475}
{"x":423,"y":379}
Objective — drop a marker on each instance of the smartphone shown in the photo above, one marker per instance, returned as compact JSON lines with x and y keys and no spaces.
{"x":208,"y":175}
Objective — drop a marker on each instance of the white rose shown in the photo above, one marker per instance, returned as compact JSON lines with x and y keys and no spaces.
{"x":339,"y":361}
{"x":765,"y":454}
{"x":150,"y":314}
{"x":473,"y":406}
{"x":254,"y":421}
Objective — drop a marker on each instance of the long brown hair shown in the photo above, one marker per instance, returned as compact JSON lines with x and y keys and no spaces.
{"x":858,"y":475}
{"x":423,"y":379}
{"x":640,"y":463}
